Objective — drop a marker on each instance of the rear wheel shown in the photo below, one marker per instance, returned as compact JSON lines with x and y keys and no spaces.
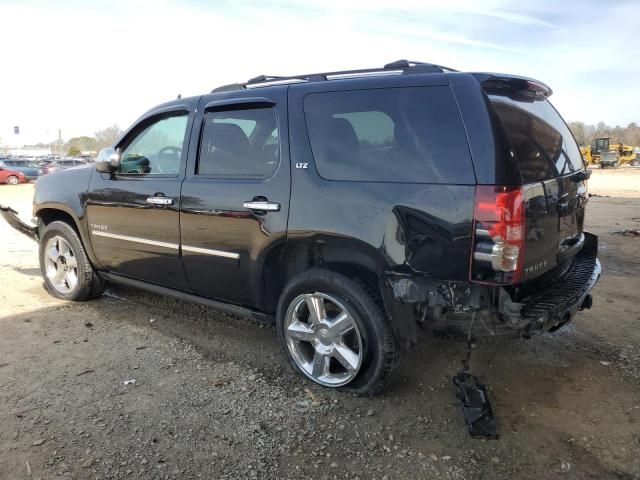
{"x":13,"y":180}
{"x":335,"y":332}
{"x":66,"y":270}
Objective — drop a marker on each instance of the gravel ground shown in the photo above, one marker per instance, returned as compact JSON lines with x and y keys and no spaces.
{"x":213,"y":396}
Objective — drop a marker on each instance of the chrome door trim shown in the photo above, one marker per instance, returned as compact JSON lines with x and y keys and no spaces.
{"x":160,"y":200}
{"x":209,"y":251}
{"x":126,"y":238}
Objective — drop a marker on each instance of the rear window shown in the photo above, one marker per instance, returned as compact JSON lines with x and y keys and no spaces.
{"x":541,"y":140}
{"x":403,"y":135}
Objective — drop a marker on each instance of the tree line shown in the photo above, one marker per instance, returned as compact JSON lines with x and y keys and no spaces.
{"x":585,"y":134}
{"x":76,"y":145}
{"x":103,"y":138}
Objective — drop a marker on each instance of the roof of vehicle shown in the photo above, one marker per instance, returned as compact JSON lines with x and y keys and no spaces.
{"x":361,"y":78}
{"x":493,"y":81}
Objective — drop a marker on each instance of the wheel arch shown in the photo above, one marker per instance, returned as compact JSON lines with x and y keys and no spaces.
{"x":345,"y":255}
{"x":348,"y":256}
{"x":52,"y":212}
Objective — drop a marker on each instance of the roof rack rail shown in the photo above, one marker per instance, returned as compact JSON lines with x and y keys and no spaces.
{"x":400,"y":67}
{"x":421,"y":65}
{"x":228,"y":88}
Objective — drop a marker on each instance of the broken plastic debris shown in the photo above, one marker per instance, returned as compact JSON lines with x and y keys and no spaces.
{"x":564,"y":467}
{"x":127,"y":382}
{"x":606,"y":364}
{"x":477,"y":410}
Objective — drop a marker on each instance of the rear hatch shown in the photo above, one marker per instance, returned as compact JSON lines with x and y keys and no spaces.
{"x":552,"y":170}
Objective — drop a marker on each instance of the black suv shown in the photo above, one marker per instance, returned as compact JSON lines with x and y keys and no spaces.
{"x":348,"y":207}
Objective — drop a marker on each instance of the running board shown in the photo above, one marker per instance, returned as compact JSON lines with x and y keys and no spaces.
{"x":11,"y":217}
{"x":259,"y":317}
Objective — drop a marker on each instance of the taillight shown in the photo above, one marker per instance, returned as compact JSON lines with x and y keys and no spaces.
{"x":499,"y":227}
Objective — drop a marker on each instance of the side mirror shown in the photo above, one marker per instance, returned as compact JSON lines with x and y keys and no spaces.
{"x":108,"y":160}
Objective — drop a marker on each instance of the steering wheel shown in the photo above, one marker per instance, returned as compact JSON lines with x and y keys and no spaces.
{"x":168,"y":153}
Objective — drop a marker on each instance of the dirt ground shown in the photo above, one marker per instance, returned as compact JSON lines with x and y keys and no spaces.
{"x":214,"y":398}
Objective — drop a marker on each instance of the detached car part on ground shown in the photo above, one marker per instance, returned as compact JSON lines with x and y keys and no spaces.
{"x":348,"y":207}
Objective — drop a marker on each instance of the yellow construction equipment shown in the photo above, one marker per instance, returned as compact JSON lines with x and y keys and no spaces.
{"x":586,"y":155}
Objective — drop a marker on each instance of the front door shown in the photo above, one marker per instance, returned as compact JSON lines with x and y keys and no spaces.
{"x":235,"y":198}
{"x":133,"y":214}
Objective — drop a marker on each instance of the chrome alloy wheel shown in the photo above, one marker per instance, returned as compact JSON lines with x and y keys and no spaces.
{"x":323,"y":339}
{"x":61,"y":265}
{"x":13,"y":180}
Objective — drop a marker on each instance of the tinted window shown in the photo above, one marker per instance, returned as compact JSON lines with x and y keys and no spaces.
{"x":541,"y":141}
{"x":239,"y":143}
{"x":410,"y":135}
{"x":157,"y":148}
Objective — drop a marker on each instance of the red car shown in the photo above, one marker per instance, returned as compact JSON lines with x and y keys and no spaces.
{"x":11,"y":177}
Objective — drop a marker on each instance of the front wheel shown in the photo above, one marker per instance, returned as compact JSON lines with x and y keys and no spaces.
{"x":13,"y":180}
{"x":66,"y":270}
{"x":335,"y":332}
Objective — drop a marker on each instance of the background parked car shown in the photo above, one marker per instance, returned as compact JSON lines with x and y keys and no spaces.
{"x":61,"y":164}
{"x":43,"y":168}
{"x":28,"y":167}
{"x":610,"y":158}
{"x":12,"y":177}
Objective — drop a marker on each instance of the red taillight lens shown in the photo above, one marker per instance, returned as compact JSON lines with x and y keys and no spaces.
{"x":499,"y":234}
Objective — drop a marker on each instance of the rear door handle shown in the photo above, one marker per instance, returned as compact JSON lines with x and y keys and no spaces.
{"x":262,"y":206}
{"x":160,"y":200}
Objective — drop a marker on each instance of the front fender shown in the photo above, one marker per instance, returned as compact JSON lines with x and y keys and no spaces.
{"x":66,"y":192}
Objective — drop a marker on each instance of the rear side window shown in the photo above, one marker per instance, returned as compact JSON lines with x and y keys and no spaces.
{"x":239,"y":143}
{"x":403,"y":135}
{"x":541,"y":141}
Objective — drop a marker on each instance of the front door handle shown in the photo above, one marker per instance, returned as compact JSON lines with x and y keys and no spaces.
{"x":262,"y":206}
{"x":160,"y":200}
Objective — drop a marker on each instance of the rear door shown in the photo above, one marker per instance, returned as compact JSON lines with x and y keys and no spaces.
{"x":235,"y":198}
{"x":555,"y":182}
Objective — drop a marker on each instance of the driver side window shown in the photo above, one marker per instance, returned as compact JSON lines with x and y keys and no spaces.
{"x":157,"y":149}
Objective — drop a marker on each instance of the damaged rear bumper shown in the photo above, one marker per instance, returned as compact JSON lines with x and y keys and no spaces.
{"x":551,"y":301}
{"x":11,"y":217}
{"x":457,"y":310}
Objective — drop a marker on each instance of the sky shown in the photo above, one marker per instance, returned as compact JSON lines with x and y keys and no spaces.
{"x":80,"y":66}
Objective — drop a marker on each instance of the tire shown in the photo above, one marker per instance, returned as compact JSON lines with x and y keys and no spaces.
{"x":370,"y":338}
{"x":13,"y":180}
{"x":64,"y":264}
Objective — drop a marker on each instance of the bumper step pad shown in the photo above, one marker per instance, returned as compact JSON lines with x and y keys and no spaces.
{"x":476,"y":408}
{"x":546,"y":299}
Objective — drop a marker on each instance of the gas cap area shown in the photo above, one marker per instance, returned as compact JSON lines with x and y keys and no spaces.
{"x":415,"y":237}
{"x":424,"y":253}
